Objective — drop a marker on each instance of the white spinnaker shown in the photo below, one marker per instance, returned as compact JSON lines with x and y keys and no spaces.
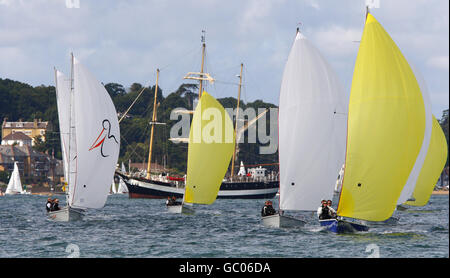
{"x":63,"y":104}
{"x":14,"y":184}
{"x":408,"y":189}
{"x":97,"y":138}
{"x":122,"y":186}
{"x":312,"y":128}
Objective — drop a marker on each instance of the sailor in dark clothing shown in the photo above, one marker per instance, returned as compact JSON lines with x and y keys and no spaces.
{"x":55,"y":206}
{"x":172,"y":201}
{"x":175,"y":202}
{"x":324,"y":211}
{"x":267,"y":209}
{"x":48,"y":205}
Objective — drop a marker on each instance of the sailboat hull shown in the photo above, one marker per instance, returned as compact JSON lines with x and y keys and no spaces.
{"x":180,"y":209}
{"x":143,"y":188}
{"x":66,"y":214}
{"x":342,"y":226}
{"x":282,"y":221}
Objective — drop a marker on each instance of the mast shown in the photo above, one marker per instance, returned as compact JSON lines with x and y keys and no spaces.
{"x":201,"y":68}
{"x":237,"y":118}
{"x":153,"y":126}
{"x":70,"y":124}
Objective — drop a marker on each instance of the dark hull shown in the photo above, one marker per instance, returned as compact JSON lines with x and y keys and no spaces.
{"x":143,"y":188}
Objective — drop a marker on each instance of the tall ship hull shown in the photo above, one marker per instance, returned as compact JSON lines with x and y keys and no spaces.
{"x":159,"y":189}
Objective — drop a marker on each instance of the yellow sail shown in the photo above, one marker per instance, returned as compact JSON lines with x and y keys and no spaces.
{"x":432,"y":167}
{"x":211,"y":145}
{"x":386,"y":126}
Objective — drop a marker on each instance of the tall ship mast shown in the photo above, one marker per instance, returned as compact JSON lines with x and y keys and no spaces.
{"x":255,"y":184}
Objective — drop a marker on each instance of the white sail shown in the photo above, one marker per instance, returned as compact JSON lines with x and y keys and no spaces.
{"x":97,"y":140}
{"x":63,"y":104}
{"x":123,"y":169}
{"x":312,"y":128}
{"x":113,"y":187}
{"x":14,"y":184}
{"x":414,"y":175}
{"x":122,"y":187}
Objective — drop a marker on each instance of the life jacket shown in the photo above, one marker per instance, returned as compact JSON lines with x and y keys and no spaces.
{"x":325,"y":213}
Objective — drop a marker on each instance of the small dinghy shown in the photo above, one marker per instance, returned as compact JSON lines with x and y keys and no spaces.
{"x":90,"y":141}
{"x":387,"y":132}
{"x":312,"y":126}
{"x":343,"y":226}
{"x":66,"y":214}
{"x":282,"y":221}
{"x":14,"y":184}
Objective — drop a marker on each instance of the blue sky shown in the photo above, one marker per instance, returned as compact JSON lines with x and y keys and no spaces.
{"x":125,"y":41}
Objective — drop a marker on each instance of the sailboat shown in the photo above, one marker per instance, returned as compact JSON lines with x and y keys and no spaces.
{"x":432,"y":167}
{"x":337,"y":187}
{"x":14,"y":184}
{"x":90,"y":140}
{"x":122,"y":186}
{"x":113,"y":188}
{"x":386,"y":129}
{"x":311,"y":132}
{"x":211,"y":147}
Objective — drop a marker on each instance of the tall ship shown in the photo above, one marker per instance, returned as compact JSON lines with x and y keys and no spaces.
{"x":250,"y":183}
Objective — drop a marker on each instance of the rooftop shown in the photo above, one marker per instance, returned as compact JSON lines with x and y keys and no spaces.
{"x":17,"y":136}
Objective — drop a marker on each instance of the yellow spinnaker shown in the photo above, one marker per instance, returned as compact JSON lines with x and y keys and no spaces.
{"x":211,"y":145}
{"x":432,"y":166}
{"x":386,"y":127}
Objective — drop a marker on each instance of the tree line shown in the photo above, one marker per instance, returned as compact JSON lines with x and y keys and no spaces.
{"x":22,"y":101}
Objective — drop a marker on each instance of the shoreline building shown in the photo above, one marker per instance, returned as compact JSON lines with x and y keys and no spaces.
{"x":30,"y":129}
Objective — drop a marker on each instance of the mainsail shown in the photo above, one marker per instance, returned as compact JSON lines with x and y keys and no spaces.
{"x":386,"y":128}
{"x":432,"y":167}
{"x":211,"y":145}
{"x":97,"y":140}
{"x":14,"y":184}
{"x":312,"y":128}
{"x":63,"y":87}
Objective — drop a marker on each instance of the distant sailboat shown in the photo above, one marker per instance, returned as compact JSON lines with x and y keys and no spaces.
{"x":386,"y":129}
{"x":311,"y":132}
{"x":338,"y":186}
{"x":209,"y":154}
{"x":122,"y":186}
{"x":14,"y":184}
{"x":90,"y":140}
{"x":211,"y":147}
{"x":432,"y":167}
{"x":113,"y":187}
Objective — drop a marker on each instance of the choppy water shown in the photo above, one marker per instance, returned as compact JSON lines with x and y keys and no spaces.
{"x":228,"y":228}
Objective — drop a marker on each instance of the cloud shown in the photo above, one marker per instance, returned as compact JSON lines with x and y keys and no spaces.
{"x":438,"y":62}
{"x":125,"y":41}
{"x":337,"y":40}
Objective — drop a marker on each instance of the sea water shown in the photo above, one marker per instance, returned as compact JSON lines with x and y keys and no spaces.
{"x":133,"y":228}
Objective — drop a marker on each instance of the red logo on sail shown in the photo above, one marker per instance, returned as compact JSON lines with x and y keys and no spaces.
{"x":99,"y":142}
